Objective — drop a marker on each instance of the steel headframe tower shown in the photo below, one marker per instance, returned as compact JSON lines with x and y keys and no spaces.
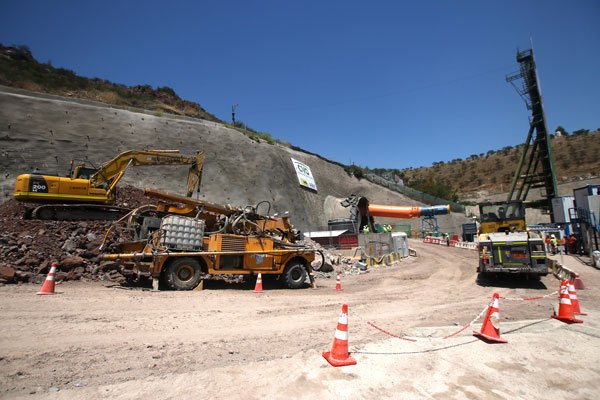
{"x":536,"y":166}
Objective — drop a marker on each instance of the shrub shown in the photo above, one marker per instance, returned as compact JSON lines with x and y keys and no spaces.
{"x":580,"y":132}
{"x":266,"y":137}
{"x":354,"y":170}
{"x":167,"y":90}
{"x":436,"y":187}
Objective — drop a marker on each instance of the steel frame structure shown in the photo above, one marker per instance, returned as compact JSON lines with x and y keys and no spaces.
{"x":536,"y":165}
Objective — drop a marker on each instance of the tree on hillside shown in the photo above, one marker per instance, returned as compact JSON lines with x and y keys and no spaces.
{"x":436,"y":187}
{"x":563,"y":131}
{"x":580,"y":132}
{"x":167,"y":90}
{"x":354,"y":170}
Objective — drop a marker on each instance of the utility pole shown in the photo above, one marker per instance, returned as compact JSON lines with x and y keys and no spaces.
{"x":233,"y":107}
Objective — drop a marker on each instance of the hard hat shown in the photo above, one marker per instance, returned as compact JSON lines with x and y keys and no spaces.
{"x":552,"y":236}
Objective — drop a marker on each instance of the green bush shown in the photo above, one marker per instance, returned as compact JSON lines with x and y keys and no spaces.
{"x":266,"y":137}
{"x":354,"y":170}
{"x":167,"y":90}
{"x":436,"y":187}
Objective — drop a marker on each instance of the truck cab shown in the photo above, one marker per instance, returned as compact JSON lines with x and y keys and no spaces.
{"x":505,"y":244}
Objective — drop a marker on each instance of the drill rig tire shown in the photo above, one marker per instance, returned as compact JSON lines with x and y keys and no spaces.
{"x":294,"y":274}
{"x":182,"y":274}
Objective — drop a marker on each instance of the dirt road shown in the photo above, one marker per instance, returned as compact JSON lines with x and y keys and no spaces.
{"x":98,"y":342}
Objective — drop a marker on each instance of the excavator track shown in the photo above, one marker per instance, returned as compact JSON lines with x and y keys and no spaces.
{"x":76,"y":212}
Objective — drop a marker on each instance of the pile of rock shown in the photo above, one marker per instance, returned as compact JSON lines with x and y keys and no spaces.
{"x":28,"y":247}
{"x":332,"y":262}
{"x":29,"y":253}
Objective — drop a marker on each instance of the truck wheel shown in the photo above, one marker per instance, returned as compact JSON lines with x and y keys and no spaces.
{"x":182,"y":274}
{"x":294,"y":275}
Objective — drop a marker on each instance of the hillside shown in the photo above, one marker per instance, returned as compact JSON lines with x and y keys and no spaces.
{"x":18,"y":68}
{"x":575,"y":155}
{"x":47,"y":132}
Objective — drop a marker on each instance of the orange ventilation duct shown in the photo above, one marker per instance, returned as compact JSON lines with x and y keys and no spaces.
{"x":407,"y":212}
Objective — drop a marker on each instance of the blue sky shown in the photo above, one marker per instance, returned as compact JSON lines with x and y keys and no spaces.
{"x":388,"y":84}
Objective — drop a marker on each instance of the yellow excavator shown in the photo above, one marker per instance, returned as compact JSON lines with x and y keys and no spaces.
{"x":89,"y":191}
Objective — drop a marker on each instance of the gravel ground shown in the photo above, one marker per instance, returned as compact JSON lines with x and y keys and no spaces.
{"x":96,"y":340}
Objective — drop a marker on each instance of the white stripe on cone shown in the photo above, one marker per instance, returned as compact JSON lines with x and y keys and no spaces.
{"x":566,"y":299}
{"x":495,"y":319}
{"x":571,"y":291}
{"x":343,"y":319}
{"x":341,"y":335}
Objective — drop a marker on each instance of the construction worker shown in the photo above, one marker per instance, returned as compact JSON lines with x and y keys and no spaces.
{"x":501,"y":213}
{"x":553,"y":243}
{"x":547,"y":242}
{"x":561,"y":246}
{"x":365,"y":229}
{"x":571,"y":244}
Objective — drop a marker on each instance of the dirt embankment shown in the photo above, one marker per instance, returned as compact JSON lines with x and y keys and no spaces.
{"x":48,"y":132}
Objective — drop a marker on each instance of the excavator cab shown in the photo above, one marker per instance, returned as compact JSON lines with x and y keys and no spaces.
{"x":82,"y":170}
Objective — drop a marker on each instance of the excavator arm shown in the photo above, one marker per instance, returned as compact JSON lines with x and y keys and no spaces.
{"x":195,"y":175}
{"x":111,"y":172}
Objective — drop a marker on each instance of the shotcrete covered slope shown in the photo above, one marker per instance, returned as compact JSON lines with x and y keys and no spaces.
{"x":46,"y":132}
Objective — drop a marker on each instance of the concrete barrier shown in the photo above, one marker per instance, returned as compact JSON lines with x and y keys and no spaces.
{"x":387,"y":259}
{"x":560,"y":271}
{"x":453,"y":243}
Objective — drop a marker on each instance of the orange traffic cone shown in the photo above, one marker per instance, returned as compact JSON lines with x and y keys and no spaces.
{"x":490,"y":329}
{"x":258,"y":287}
{"x":338,"y":283}
{"x":578,"y":282}
{"x":565,"y":308}
{"x":48,"y":286}
{"x":574,"y":300}
{"x":338,"y":356}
